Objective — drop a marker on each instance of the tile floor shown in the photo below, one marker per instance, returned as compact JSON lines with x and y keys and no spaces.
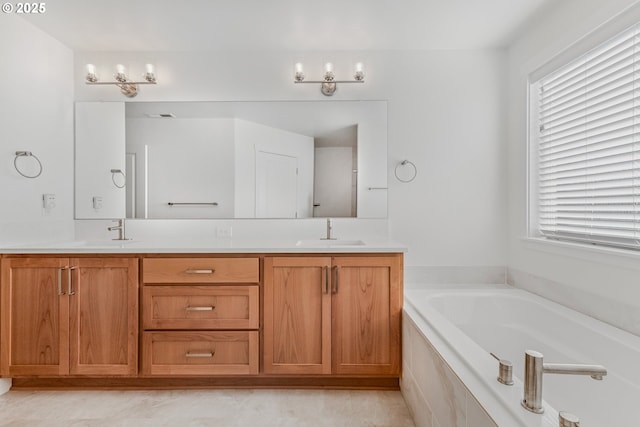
{"x":224,"y":408}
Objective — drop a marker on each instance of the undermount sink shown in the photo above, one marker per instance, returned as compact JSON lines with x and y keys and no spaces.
{"x":95,"y":244}
{"x":324,"y":242}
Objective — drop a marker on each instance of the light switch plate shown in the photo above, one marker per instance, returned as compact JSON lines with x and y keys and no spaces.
{"x":97,"y":202}
{"x":48,"y":201}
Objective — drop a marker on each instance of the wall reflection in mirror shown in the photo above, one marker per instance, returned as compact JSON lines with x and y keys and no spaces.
{"x":286,"y":159}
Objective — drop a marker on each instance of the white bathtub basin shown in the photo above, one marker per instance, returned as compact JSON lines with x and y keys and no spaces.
{"x":468,"y":324}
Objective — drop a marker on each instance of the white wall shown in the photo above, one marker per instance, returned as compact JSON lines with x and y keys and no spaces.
{"x":444,"y":114}
{"x":36,"y":114}
{"x":599,"y":282}
{"x":252,"y":137}
{"x":99,"y":149}
{"x":176,"y":173}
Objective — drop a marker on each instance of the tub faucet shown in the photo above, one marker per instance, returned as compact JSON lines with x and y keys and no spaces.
{"x":534,"y":368}
{"x":121,"y":229}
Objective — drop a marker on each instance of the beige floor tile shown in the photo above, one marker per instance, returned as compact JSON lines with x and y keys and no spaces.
{"x":228,"y":408}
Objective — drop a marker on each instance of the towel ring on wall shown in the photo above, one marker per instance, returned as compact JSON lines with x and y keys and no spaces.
{"x":27,"y":154}
{"x":115,"y":172}
{"x":412,"y":174}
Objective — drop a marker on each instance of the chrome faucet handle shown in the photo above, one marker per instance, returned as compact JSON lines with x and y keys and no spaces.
{"x":329,"y":229}
{"x":505,"y":371}
{"x":567,"y":419}
{"x":121,"y":229}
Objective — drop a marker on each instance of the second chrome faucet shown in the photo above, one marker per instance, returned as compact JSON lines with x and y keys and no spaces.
{"x":329,"y":229}
{"x":122,"y":234}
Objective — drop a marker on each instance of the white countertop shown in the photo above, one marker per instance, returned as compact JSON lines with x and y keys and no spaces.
{"x":217,"y":246}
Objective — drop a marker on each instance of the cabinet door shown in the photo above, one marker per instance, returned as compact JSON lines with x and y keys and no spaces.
{"x":35,"y":317}
{"x":297,"y":315}
{"x":367,"y":304}
{"x":103,"y":298}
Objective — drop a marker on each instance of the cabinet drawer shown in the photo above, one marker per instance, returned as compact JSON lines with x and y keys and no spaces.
{"x":201,"y":270}
{"x":200,"y":353}
{"x":200,"y":307}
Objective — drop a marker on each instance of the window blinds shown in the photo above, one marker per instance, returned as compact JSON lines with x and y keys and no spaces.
{"x":589,"y":146}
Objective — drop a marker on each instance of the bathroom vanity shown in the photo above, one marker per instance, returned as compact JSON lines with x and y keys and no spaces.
{"x":139,"y":317}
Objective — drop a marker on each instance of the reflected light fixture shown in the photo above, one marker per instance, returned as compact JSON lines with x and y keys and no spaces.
{"x":328,"y":85}
{"x":127,"y":87}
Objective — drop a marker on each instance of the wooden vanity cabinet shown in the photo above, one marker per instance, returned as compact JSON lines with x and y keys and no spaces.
{"x":200,"y":316}
{"x":69,"y":316}
{"x":333,"y":315}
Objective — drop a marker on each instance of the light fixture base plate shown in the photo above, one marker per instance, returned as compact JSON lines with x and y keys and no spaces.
{"x":328,"y":88}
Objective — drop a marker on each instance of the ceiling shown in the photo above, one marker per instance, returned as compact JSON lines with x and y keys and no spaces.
{"x":194,"y":25}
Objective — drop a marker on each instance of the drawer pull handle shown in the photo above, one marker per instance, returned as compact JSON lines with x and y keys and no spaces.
{"x":210,"y":354}
{"x":205,"y":308}
{"x":209,"y":271}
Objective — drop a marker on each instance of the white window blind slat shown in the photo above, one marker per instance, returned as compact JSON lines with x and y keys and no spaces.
{"x":588,"y":154}
{"x":577,"y":105}
{"x":615,"y":74}
{"x":561,"y":75}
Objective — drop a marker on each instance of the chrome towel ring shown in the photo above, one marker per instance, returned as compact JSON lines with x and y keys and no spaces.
{"x":409,"y":174}
{"x":115,"y":172}
{"x":27,"y":154}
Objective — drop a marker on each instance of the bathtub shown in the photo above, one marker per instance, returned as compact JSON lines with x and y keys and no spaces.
{"x":462,"y":326}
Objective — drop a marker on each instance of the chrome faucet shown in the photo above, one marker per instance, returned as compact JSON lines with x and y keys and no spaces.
{"x":534,"y":368}
{"x":329,"y":228}
{"x":121,"y":229}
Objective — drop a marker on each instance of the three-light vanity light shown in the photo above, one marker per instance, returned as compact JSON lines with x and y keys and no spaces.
{"x":128,"y":88}
{"x":328,"y":84}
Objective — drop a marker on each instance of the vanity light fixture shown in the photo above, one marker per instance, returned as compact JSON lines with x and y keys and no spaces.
{"x":128,"y":87}
{"x":328,"y":84}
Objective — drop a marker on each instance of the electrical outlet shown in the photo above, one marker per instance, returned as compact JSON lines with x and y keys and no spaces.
{"x":48,"y":203}
{"x":224,"y":231}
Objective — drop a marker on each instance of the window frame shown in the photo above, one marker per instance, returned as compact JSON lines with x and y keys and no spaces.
{"x":573,"y":53}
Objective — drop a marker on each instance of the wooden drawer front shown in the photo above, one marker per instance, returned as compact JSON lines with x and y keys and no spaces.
{"x":201,"y":270}
{"x":200,"y":307}
{"x":200,"y":353}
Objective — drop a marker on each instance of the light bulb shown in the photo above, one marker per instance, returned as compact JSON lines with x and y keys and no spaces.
{"x":359,"y":73}
{"x":149,"y":73}
{"x":328,"y":72}
{"x":299,"y":75}
{"x":120,"y":75}
{"x":91,"y":73}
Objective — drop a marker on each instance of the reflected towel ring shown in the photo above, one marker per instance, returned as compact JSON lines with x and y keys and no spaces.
{"x":114,"y":172}
{"x":411,"y":176}
{"x":27,"y":154}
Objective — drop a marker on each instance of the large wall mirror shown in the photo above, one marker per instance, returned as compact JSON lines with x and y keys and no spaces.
{"x":285,"y":159}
